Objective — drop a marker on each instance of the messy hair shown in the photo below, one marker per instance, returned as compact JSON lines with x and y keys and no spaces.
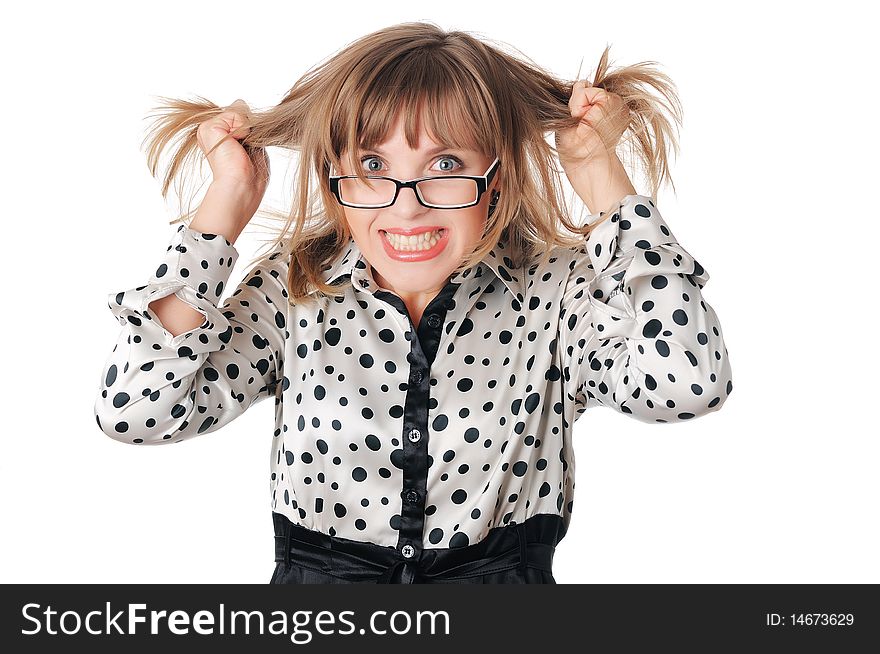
{"x":471,"y":93}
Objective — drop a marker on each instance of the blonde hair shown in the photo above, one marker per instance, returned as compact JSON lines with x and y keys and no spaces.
{"x":472,"y":94}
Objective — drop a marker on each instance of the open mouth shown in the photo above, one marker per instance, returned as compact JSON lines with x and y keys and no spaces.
{"x":416,"y":243}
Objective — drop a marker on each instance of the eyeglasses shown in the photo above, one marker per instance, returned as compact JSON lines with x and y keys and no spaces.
{"x":438,"y":192}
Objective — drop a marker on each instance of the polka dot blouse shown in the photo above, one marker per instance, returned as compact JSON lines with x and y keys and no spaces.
{"x":434,"y":433}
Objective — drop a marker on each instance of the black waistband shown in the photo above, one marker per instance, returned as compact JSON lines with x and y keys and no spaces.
{"x":530,"y":543}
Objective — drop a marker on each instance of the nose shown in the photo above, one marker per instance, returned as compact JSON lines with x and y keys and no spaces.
{"x":407,"y":202}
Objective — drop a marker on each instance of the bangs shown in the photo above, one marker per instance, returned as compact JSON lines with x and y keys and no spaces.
{"x":429,"y":89}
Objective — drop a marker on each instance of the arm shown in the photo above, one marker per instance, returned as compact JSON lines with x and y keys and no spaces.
{"x":157,"y":387}
{"x":635,"y":332}
{"x":599,"y":182}
{"x":221,"y":212}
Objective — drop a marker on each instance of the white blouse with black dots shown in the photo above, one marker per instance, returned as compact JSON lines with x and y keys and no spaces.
{"x":432,"y":434}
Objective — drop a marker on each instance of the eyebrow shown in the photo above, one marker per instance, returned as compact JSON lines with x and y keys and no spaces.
{"x":429,"y":152}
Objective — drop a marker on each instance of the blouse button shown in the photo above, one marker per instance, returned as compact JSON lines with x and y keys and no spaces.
{"x":412,"y":496}
{"x":434,"y":320}
{"x":414,"y":435}
{"x":408,"y":550}
{"x":416,"y":378}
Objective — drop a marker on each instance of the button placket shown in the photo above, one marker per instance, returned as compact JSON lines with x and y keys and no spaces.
{"x":424,"y":340}
{"x":415,"y":457}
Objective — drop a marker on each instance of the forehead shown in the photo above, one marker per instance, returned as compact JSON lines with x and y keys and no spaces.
{"x":426,"y":142}
{"x":421,"y":126}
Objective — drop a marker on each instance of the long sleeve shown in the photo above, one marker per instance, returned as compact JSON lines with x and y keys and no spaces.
{"x":635,"y":330}
{"x":158,"y":388}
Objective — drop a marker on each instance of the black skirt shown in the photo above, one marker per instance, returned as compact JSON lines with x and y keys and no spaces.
{"x":520,"y":553}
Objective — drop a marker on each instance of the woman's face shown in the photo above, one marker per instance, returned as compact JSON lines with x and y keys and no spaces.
{"x":400,"y":268}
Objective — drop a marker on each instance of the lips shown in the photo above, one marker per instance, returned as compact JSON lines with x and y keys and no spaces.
{"x":415,"y":255}
{"x":420,"y":238}
{"x":414,"y":231}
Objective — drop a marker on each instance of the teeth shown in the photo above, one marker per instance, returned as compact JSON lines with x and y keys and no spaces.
{"x":423,"y":241}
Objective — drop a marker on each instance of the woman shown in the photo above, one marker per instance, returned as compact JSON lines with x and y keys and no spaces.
{"x":429,"y":334}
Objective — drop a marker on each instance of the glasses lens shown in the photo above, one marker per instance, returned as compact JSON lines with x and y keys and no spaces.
{"x":449,"y":192}
{"x":368,"y":192}
{"x":442,"y":192}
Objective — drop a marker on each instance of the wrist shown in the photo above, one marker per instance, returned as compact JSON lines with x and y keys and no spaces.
{"x":600,"y":165}
{"x":225,"y":210}
{"x":600,"y":182}
{"x":240,"y":193}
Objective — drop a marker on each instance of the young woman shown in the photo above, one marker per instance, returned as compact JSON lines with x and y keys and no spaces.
{"x":428,"y":332}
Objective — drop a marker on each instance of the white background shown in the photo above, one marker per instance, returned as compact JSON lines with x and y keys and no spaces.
{"x":776,"y":197}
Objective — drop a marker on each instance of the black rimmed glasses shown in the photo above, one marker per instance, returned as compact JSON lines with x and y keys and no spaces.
{"x":436,"y":192}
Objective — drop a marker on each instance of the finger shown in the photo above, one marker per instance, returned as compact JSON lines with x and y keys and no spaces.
{"x":232,"y":124}
{"x":578,"y":103}
{"x":238,"y":107}
{"x":238,"y":119}
{"x":581,"y":106}
{"x":577,"y":91}
{"x":594,"y":94}
{"x":584,"y":93}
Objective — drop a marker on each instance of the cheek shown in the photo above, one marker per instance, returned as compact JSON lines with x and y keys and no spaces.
{"x":471,"y":226}
{"x":358,"y":225}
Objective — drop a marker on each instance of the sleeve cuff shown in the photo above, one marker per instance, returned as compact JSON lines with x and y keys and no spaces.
{"x":634,"y":242}
{"x":635,"y":223}
{"x":196,"y":266}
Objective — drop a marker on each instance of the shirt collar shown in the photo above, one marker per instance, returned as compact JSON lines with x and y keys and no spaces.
{"x":498,"y":262}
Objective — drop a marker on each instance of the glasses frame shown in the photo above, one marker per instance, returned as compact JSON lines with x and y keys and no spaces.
{"x":482,"y":181}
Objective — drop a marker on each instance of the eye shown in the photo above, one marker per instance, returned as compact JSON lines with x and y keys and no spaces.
{"x":369,"y":169}
{"x":443,"y":157}
{"x":449,"y":157}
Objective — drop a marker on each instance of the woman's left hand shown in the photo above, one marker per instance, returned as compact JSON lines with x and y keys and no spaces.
{"x":603,"y":120}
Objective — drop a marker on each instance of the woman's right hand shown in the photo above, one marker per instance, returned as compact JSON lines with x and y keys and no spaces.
{"x":230,"y":163}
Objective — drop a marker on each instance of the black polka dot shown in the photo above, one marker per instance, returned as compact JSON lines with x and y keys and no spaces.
{"x":470,"y":406}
